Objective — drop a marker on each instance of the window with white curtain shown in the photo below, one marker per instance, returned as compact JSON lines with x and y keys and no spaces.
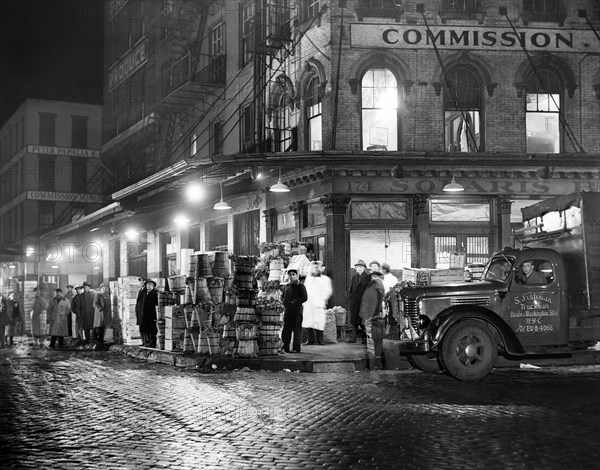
{"x":379,"y":95}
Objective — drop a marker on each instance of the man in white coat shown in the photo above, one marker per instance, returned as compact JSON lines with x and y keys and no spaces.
{"x":319,"y":288}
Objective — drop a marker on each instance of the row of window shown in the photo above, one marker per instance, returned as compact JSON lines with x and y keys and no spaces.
{"x":383,"y":103}
{"x":43,"y":177}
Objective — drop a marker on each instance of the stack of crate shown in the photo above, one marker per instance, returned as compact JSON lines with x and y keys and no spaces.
{"x":126,"y":289}
{"x":175,"y":328}
{"x":427,"y":277}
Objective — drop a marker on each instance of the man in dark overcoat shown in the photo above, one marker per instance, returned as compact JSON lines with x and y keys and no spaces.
{"x":148,"y":324}
{"x":294,"y":295}
{"x":140,"y":300}
{"x":86,"y":310}
{"x":358,"y":284}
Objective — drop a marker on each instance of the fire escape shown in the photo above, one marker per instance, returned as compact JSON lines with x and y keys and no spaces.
{"x":184,"y":79}
{"x":272,"y":41}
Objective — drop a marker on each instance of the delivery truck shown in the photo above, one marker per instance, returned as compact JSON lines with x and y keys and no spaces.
{"x":540,"y":299}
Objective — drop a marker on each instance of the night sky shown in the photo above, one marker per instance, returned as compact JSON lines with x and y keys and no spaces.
{"x":50,"y":49}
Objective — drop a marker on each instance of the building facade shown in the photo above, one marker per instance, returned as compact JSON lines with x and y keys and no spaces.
{"x":366,"y":110}
{"x":49,"y":159}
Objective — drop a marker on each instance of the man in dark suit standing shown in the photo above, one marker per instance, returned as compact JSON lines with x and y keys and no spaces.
{"x":358,"y":284}
{"x":294,"y":295}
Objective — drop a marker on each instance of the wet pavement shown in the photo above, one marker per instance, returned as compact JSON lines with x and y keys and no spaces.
{"x":98,"y":409}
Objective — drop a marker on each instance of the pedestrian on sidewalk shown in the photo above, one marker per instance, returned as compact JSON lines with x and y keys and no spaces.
{"x":148,"y":323}
{"x":69,"y":296}
{"x":76,"y":310}
{"x":40,"y":304}
{"x":12,"y":315}
{"x":101,"y":313}
{"x":294,"y":295}
{"x":319,"y":289}
{"x":358,"y":284}
{"x":139,"y":302}
{"x":371,"y":302}
{"x":58,"y":312}
{"x":86,"y":311}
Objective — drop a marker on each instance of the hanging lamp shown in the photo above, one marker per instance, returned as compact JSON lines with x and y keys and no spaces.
{"x":453,"y":187}
{"x":221,"y":205}
{"x":279,"y":187}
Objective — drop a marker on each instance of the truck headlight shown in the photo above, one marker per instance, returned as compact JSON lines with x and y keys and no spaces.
{"x":424,"y":322}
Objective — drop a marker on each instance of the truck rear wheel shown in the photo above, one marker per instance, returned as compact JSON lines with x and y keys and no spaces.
{"x":468,"y":350}
{"x":424,"y":362}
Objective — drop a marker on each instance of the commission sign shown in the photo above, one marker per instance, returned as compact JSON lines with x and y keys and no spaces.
{"x":457,"y":37}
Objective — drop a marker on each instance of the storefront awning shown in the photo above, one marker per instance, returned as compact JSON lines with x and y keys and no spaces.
{"x":86,"y":221}
{"x":559,"y":203}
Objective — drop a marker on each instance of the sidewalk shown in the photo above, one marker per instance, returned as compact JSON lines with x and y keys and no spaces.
{"x":338,"y":357}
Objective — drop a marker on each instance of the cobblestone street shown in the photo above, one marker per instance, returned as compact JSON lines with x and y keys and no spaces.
{"x":84,"y":409}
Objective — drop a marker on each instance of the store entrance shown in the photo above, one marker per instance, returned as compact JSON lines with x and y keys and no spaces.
{"x":386,"y":246}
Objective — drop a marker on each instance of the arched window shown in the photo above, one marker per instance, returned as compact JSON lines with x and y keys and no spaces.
{"x":379,"y":97}
{"x":314,"y":118}
{"x":543,"y":101}
{"x":283,"y":135}
{"x":463,"y":112}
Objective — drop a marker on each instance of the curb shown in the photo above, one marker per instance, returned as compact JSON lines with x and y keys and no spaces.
{"x":269,"y":363}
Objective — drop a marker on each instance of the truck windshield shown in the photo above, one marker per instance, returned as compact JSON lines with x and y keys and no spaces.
{"x":498,"y":268}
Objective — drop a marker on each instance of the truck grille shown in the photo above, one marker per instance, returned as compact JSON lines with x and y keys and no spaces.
{"x":412,"y":311}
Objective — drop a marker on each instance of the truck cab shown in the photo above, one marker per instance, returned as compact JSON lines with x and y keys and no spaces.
{"x":523,"y":303}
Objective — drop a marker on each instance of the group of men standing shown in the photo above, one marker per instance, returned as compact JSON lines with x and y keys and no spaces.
{"x":91,"y":309}
{"x":370,"y":292}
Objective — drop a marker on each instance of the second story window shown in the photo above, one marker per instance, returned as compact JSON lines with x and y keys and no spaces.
{"x":463,"y":112}
{"x":247,"y":127}
{"x":542,"y":113}
{"x":379,"y":96}
{"x":314,"y":118}
{"x":247,"y":32}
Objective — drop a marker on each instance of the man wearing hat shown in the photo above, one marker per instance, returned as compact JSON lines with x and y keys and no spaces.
{"x":69,"y":296}
{"x":358,"y":284}
{"x":140,"y":300}
{"x":372,"y":298}
{"x":148,"y":322}
{"x":58,"y":312}
{"x":294,"y":295}
{"x":76,"y":310}
{"x":86,"y":311}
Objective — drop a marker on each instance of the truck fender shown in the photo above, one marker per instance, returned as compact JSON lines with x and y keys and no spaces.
{"x":442,"y":323}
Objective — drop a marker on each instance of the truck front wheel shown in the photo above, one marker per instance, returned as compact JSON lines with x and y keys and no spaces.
{"x":424,"y":362}
{"x":468,"y":350}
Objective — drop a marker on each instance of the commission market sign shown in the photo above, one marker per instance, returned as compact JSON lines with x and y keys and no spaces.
{"x":64,"y":197}
{"x":457,"y":37}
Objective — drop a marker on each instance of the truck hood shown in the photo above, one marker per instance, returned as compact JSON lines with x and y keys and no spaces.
{"x":463,"y":288}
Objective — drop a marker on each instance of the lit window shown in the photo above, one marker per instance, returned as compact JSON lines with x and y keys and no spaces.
{"x":283,"y":124}
{"x":379,"y":110}
{"x":542,"y":114}
{"x":462,"y":112}
{"x":313,"y":115}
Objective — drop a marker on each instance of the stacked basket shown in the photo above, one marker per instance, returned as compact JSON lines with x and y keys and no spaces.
{"x":270,"y":310}
{"x":245,"y":315}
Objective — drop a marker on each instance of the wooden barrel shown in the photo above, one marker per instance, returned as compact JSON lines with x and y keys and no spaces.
{"x":269,"y":330}
{"x":247,"y":348}
{"x":203,"y":268}
{"x":193,"y":265}
{"x":268,"y":346}
{"x":220,"y":267}
{"x":246,"y":331}
{"x":209,"y":342}
{"x":229,"y":330}
{"x":271,"y":315}
{"x":247,"y":314}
